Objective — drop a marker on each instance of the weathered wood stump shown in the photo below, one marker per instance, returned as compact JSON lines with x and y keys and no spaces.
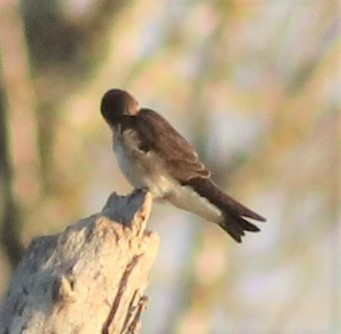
{"x":90,"y":278}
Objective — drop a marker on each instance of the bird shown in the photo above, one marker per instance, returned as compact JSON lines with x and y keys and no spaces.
{"x":155,"y":157}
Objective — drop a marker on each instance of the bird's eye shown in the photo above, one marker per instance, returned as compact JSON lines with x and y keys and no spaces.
{"x":144,"y":147}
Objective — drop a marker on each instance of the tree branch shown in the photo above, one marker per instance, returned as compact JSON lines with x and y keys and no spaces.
{"x":88,"y":279}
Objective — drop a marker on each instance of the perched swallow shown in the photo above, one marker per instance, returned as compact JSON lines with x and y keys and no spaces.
{"x":154,"y":156}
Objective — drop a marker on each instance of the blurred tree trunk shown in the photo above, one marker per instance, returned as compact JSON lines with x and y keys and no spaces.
{"x":19,"y":158}
{"x":89,"y":278}
{"x":9,"y":213}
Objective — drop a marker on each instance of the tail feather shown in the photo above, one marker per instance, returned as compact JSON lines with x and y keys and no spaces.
{"x":233,"y":212}
{"x":247,"y":226}
{"x":236,"y":227}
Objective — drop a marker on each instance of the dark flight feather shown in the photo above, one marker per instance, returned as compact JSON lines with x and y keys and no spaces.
{"x":181,"y":160}
{"x":233,"y":211}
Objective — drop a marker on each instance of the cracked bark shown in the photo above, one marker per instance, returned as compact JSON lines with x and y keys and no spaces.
{"x":90,"y":278}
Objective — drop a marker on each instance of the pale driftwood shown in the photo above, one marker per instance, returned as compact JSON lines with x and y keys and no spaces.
{"x":88,"y":279}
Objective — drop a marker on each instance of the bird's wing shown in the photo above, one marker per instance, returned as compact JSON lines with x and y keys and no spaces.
{"x":180,"y":158}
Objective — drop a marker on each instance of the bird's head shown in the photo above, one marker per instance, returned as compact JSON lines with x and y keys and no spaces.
{"x":117,"y":103}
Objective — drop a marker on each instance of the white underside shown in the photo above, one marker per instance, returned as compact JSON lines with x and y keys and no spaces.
{"x":145,"y":170}
{"x":187,"y":199}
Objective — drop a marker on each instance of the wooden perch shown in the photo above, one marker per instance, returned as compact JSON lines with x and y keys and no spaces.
{"x":90,"y":278}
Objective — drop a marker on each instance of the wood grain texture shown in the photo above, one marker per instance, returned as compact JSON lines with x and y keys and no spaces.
{"x":90,"y":278}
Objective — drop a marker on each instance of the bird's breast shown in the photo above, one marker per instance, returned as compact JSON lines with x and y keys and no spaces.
{"x":142,"y":169}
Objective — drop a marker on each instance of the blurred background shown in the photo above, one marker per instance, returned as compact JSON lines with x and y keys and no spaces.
{"x":253,"y":84}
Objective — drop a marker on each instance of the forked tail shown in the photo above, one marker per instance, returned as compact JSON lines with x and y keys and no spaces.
{"x":234,"y":213}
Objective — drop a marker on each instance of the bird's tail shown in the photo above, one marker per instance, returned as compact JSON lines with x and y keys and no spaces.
{"x":234,"y":213}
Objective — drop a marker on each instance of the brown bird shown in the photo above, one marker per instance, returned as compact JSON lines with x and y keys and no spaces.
{"x":154,"y":156}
